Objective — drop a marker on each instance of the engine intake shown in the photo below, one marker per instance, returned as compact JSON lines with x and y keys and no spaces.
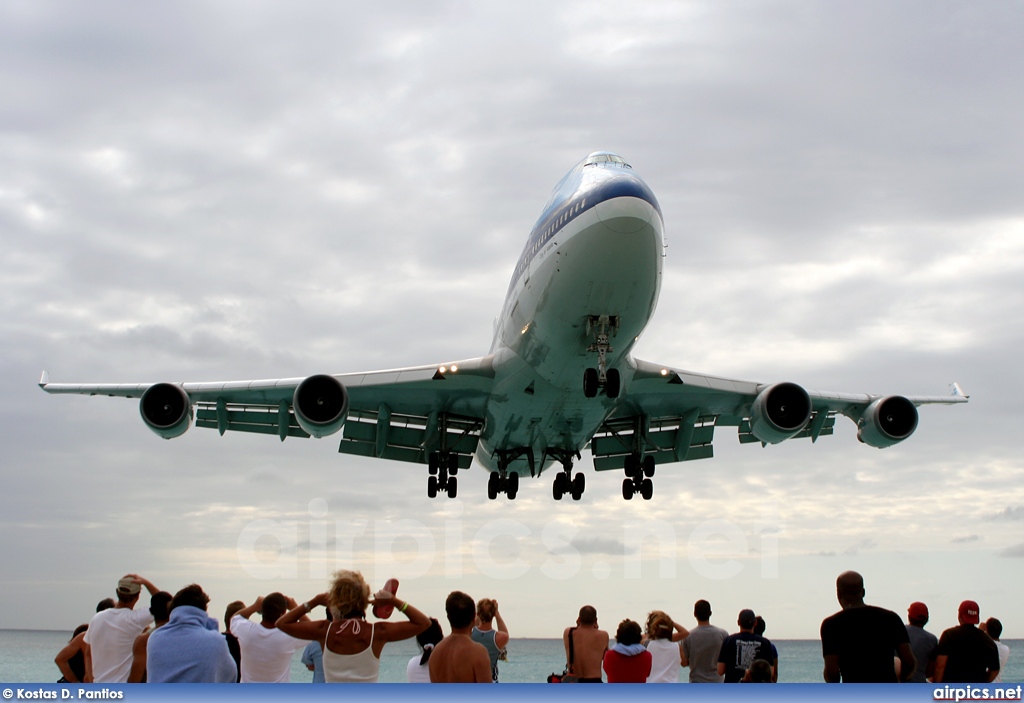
{"x":887,"y":421}
{"x":166,"y":409}
{"x":321,"y":405}
{"x":779,"y":412}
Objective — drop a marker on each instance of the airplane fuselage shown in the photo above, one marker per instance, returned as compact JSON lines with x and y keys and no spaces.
{"x":595,"y":255}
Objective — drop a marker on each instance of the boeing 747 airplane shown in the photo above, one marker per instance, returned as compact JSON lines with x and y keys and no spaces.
{"x":559,"y":378}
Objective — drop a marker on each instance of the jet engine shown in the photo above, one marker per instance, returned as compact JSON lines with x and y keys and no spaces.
{"x":779,"y":412}
{"x":887,"y":421}
{"x":166,"y":409}
{"x":321,"y":405}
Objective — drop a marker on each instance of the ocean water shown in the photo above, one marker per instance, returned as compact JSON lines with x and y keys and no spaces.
{"x":26,"y":656}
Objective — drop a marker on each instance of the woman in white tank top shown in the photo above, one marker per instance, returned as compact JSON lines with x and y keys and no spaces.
{"x":351,"y":645}
{"x":662,"y":640}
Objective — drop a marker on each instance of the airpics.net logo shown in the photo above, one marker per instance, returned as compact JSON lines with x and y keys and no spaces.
{"x":505,"y":549}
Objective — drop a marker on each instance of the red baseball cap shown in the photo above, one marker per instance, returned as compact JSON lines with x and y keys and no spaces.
{"x":969,"y":612}
{"x":918,"y":611}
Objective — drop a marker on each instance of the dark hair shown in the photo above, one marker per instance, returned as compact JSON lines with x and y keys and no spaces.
{"x":79,"y":630}
{"x":760,"y":671}
{"x":428,"y":638}
{"x":126,"y":598}
{"x":104,"y":604}
{"x":229,"y":612}
{"x":588,"y":615}
{"x":994,"y":628}
{"x":759,"y":626}
{"x":274,"y":606}
{"x":461,"y":610}
{"x":702,"y":610}
{"x":190,"y":595}
{"x":159,"y":605}
{"x":628,"y":633}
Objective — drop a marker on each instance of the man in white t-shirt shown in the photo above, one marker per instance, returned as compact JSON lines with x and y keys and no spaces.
{"x":994,"y":628}
{"x":266,"y":651}
{"x":112,"y":632}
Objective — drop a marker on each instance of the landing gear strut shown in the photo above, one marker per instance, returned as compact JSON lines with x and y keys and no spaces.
{"x":602,"y":377}
{"x":638,"y":477}
{"x":442,"y":467}
{"x":565,"y":483}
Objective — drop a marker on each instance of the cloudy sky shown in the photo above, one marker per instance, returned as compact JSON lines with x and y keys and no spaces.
{"x":222,"y":191}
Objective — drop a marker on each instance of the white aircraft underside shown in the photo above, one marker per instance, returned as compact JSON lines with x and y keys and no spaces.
{"x":559,"y":377}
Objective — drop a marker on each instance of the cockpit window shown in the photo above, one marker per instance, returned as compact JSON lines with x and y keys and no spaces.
{"x":605,"y":158}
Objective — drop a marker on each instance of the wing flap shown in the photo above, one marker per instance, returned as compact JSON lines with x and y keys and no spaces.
{"x":247,"y":418}
{"x":409,"y":438}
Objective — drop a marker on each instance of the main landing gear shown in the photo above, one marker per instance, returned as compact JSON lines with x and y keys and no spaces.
{"x":638,"y":477}
{"x":505,"y":481}
{"x":565,"y":483}
{"x":442,"y":467}
{"x":601,"y":377}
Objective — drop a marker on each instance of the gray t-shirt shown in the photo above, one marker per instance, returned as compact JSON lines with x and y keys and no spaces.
{"x":923,"y":644}
{"x":702,"y":648}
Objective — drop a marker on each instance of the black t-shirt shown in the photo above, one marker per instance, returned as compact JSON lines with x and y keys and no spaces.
{"x":971,"y":655}
{"x":865,"y":639}
{"x":739,"y":651}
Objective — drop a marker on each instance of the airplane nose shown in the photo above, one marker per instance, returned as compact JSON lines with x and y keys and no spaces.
{"x":627,"y":215}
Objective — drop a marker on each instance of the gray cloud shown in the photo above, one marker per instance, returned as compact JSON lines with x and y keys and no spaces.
{"x":1013,"y":513}
{"x":967,"y":539}
{"x":1016,"y":551}
{"x":602,"y":545}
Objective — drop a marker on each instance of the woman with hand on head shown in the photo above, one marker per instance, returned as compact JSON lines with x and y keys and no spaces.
{"x":351,"y":645}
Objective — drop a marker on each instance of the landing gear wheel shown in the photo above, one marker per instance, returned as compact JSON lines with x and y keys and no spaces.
{"x":613,"y":383}
{"x":579,"y":484}
{"x":627,"y":489}
{"x":590,"y":382}
{"x":512,"y":486}
{"x":432,"y":487}
{"x":432,"y":463}
{"x":647,"y":489}
{"x":453,"y":464}
{"x":632,"y":465}
{"x":492,"y":485}
{"x":453,"y":487}
{"x":649,"y":465}
{"x":558,"y":488}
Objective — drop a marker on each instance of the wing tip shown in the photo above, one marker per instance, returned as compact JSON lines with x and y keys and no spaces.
{"x":44,"y":380}
{"x":957,"y":391}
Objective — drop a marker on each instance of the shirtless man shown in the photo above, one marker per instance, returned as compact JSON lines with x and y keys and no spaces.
{"x":589,"y":645}
{"x":457,"y":658}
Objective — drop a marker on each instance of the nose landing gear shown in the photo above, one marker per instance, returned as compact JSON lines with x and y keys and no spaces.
{"x":601,"y":377}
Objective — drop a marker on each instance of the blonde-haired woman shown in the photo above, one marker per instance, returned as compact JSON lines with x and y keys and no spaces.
{"x":662,"y":637}
{"x":352,"y":646}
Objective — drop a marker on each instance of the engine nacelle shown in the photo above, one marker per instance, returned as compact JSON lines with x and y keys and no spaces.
{"x":321,"y":405}
{"x":887,"y":421}
{"x":779,"y":412}
{"x":166,"y":409}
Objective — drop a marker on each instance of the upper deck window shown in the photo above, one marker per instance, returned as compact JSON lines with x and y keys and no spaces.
{"x":605,"y":158}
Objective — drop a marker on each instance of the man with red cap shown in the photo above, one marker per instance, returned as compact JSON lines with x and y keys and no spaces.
{"x":965,"y":653}
{"x":922,"y":642}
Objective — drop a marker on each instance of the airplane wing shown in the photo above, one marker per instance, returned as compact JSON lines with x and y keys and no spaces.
{"x":401,"y":414}
{"x":672,"y":414}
